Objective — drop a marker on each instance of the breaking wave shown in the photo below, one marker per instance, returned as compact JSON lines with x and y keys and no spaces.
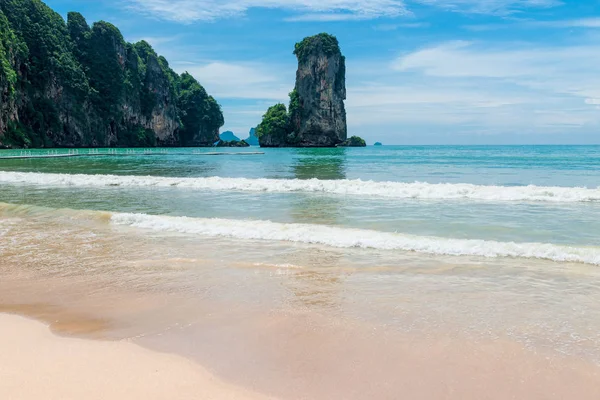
{"x":398,"y":190}
{"x":357,"y":238}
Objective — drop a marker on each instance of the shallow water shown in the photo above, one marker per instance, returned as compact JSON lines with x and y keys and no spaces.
{"x":259,"y":279}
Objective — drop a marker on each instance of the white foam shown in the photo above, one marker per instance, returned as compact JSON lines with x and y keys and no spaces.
{"x":357,"y":238}
{"x":399,"y":190}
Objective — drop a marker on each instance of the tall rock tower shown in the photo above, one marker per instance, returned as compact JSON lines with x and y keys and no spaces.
{"x":317,"y":112}
{"x":316,"y":115}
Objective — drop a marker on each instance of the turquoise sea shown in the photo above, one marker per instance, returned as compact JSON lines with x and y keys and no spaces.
{"x":544,"y":194}
{"x":478,"y":242}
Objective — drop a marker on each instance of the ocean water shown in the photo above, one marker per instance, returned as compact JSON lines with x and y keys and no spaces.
{"x":474,"y":242}
{"x":469,"y":200}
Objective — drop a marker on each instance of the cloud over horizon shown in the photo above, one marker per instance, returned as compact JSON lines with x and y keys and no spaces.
{"x":188,"y":11}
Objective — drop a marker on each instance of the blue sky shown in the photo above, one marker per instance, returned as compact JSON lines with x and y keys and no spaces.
{"x":419,"y":71}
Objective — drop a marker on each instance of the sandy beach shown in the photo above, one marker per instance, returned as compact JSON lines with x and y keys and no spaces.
{"x":36,"y":364}
{"x":145,"y":317}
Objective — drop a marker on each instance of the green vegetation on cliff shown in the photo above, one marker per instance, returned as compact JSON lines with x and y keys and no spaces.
{"x":10,"y":47}
{"x":310,"y":45}
{"x":69,"y":84}
{"x":194,"y":101}
{"x":275,"y":123}
{"x":354,"y":141}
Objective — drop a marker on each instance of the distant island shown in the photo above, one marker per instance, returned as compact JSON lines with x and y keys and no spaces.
{"x":228,"y":139}
{"x":252,"y":139}
{"x":378,"y":144}
{"x":229,"y":136}
{"x":72,"y":85}
{"x":316,"y":116}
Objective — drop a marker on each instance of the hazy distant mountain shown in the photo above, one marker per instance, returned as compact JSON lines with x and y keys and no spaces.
{"x":228,"y":136}
{"x":252,"y":139}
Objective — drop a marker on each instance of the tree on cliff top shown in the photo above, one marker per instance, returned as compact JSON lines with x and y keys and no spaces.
{"x":323,"y":41}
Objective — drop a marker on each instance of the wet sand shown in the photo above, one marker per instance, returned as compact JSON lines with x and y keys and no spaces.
{"x":286,"y":356}
{"x":306,"y":356}
{"x":35,"y":364}
{"x":291,"y":322}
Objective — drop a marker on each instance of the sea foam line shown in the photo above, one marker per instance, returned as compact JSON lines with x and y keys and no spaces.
{"x":398,"y":190}
{"x":357,"y":238}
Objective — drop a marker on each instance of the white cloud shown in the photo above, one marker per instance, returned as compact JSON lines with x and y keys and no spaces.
{"x":567,"y":70}
{"x":407,"y":25}
{"x":242,"y":80}
{"x":481,"y":88}
{"x":586,"y":23}
{"x":591,"y":22}
{"x":494,"y":7}
{"x":466,"y":59}
{"x":156,"y":41}
{"x":328,"y":17}
{"x":187,"y":11}
{"x":454,"y":103}
{"x":240,"y":118}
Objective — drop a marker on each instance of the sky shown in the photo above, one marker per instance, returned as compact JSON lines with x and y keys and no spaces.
{"x":418,"y":71}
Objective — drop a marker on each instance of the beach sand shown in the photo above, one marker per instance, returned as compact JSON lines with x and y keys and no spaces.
{"x":35,"y":364}
{"x":172,"y":318}
{"x":310,"y":363}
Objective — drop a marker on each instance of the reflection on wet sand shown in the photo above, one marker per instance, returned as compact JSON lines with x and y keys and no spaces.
{"x":316,"y":289}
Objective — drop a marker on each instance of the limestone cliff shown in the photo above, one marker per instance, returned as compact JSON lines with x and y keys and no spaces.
{"x":10,"y":54}
{"x":66,"y":84}
{"x":317,"y":111}
{"x":317,"y":116}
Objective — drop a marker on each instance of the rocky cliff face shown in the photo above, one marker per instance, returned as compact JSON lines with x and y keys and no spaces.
{"x":317,"y":116}
{"x":160,"y":115}
{"x":9,"y":47}
{"x":317,"y":111}
{"x":72,"y":85}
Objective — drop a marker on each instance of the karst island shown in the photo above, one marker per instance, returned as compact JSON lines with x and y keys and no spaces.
{"x":316,"y":116}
